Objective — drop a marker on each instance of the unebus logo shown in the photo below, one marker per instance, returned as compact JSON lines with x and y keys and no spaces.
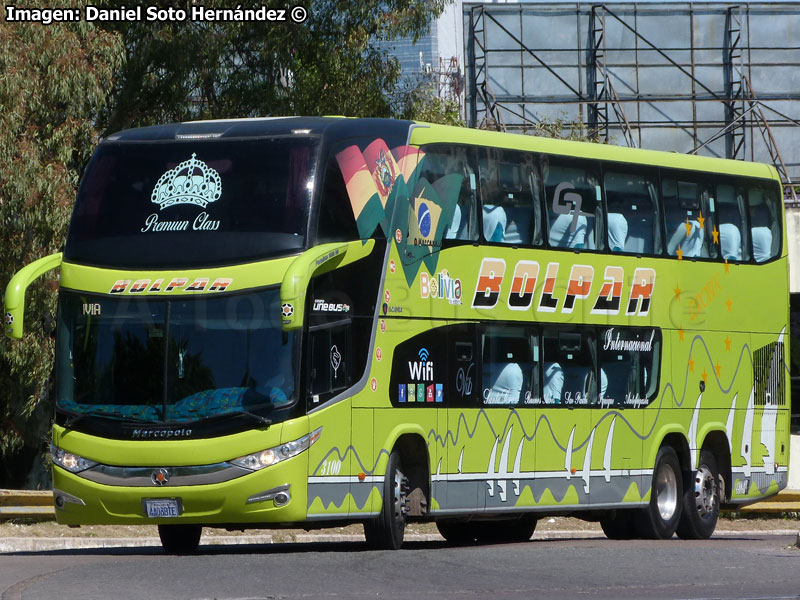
{"x":421,"y":370}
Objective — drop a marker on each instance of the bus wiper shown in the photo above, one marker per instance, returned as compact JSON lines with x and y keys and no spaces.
{"x":257,"y":418}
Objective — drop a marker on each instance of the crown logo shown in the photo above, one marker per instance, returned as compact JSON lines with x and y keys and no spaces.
{"x":191,"y":182}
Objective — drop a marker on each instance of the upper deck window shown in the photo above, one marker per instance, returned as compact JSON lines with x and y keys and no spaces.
{"x":193,"y":203}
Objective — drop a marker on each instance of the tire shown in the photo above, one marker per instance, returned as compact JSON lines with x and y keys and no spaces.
{"x":458,"y":533}
{"x":701,"y":500}
{"x":622,"y":526}
{"x":386,"y":532}
{"x":659,"y":520}
{"x":180,"y":539}
{"x":519,"y":529}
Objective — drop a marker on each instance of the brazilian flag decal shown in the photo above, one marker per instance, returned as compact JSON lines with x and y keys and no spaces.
{"x":431,"y":207}
{"x":379,"y":183}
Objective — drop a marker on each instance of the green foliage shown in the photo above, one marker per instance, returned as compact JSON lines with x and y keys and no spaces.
{"x":420,"y":102}
{"x":327,"y":65}
{"x":53,"y":80}
{"x":567,"y":130}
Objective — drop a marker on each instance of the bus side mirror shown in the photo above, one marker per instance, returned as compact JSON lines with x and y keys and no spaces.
{"x":15,"y":292}
{"x":314,"y":261}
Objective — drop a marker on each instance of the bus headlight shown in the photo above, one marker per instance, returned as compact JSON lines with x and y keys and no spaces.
{"x":271,"y":456}
{"x":71,"y":462}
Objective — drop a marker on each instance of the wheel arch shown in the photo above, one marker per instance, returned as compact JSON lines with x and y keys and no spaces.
{"x":678,"y":442}
{"x":413,"y":451}
{"x":717,"y":443}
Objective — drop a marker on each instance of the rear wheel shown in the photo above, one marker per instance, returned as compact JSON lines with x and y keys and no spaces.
{"x":621,"y":526}
{"x":660,"y":519}
{"x":180,"y":539}
{"x":387,"y":531}
{"x":701,"y":500}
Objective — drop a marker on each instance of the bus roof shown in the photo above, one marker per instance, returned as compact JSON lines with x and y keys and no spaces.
{"x":427,"y":133}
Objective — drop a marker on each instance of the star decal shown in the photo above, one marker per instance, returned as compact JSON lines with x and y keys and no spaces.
{"x":705,"y":376}
{"x":688,"y":227}
{"x":730,"y":305}
{"x":680,"y":334}
{"x":701,"y":220}
{"x":677,"y":291}
{"x":727,"y":344}
{"x":679,"y":253}
{"x":691,"y":365}
{"x":727,"y":266}
{"x":715,"y":235}
{"x":717,"y":368}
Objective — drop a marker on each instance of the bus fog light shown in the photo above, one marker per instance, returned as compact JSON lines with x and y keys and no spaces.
{"x":282,"y":499}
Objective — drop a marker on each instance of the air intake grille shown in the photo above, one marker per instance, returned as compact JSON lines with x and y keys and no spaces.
{"x":768,"y":375}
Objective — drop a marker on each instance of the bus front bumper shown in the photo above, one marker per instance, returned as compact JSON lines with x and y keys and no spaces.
{"x":277,"y":494}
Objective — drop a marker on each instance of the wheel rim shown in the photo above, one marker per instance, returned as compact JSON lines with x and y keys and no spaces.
{"x":705,"y":491}
{"x":400,"y":489}
{"x":666,"y":488}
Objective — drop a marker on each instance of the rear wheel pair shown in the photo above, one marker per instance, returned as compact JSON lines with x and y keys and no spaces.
{"x":686,"y":505}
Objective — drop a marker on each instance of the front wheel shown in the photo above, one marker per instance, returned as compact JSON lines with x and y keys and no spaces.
{"x":660,"y":518}
{"x":701,"y":500}
{"x":387,"y":531}
{"x":180,"y":539}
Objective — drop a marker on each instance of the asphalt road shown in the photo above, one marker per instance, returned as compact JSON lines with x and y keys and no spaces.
{"x":747,"y":566}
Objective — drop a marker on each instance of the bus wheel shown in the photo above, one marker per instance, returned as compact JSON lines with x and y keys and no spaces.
{"x":622,"y":526}
{"x":180,"y":539}
{"x":701,"y":501}
{"x":519,"y":529}
{"x":660,"y":518}
{"x":457,"y":532}
{"x":387,"y":531}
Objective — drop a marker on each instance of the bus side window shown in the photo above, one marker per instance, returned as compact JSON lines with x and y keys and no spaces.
{"x":329,"y":361}
{"x":764,"y":223}
{"x":509,"y":369}
{"x":441,"y":161}
{"x":628,"y":365}
{"x":573,"y":198}
{"x":509,"y":192}
{"x":688,"y":209}
{"x":733,"y":232}
{"x":632,"y":201}
{"x":570,"y":368}
{"x":335,"y":221}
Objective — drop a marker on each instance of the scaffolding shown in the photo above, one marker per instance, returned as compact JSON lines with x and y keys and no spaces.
{"x":714,"y":79}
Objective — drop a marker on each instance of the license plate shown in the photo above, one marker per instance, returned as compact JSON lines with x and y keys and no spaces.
{"x":162,"y":508}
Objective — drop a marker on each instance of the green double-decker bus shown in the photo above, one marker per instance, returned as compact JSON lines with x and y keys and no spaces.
{"x":310,"y":321}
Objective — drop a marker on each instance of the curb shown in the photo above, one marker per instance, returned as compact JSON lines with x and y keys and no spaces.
{"x":19,"y":545}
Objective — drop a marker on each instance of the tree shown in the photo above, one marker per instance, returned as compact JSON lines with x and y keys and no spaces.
{"x":328,"y":64}
{"x":53,"y":81}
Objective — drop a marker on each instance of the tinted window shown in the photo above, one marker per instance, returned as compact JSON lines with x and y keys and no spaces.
{"x":442,"y":161}
{"x":187,"y":203}
{"x":687,"y":214}
{"x":733,"y":230}
{"x":573,"y":201}
{"x":632,"y":201}
{"x":765,"y":230}
{"x":509,"y":191}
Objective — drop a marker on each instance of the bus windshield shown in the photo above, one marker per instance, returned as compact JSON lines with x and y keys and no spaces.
{"x":193,"y":203}
{"x":177,"y":361}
